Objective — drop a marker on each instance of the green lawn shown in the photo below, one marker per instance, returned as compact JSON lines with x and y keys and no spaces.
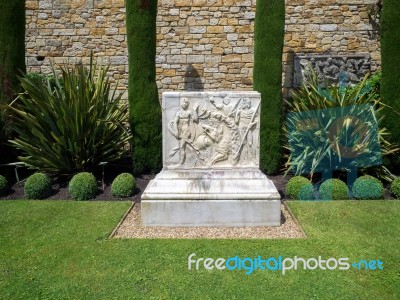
{"x":60,"y":250}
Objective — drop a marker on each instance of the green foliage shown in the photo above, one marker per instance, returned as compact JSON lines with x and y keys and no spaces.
{"x":38,"y":78}
{"x":306,"y":192}
{"x":294,"y":186}
{"x":38,"y":186}
{"x":144,"y":107}
{"x":83,"y":186}
{"x":372,"y":86}
{"x":395,"y":188}
{"x":390,"y":48}
{"x":71,"y":125}
{"x":3,"y":185}
{"x":61,"y":250}
{"x":268,"y":44}
{"x":312,"y":97}
{"x":333,"y":189}
{"x":367,"y":188}
{"x":42,"y":79}
{"x":12,"y":62}
{"x":123,"y":185}
{"x":12,"y":46}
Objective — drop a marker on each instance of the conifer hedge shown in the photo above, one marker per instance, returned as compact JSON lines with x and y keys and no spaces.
{"x":12,"y":45}
{"x":12,"y":58}
{"x":267,"y":74}
{"x":144,"y":107}
{"x":390,"y":51}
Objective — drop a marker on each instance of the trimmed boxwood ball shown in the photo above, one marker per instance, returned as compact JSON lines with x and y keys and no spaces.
{"x":38,"y":186}
{"x":306,"y":192}
{"x":123,"y":185}
{"x":83,"y":186}
{"x":294,"y":185}
{"x":3,"y":185}
{"x":333,"y":189}
{"x":367,"y":188}
{"x":395,"y":188}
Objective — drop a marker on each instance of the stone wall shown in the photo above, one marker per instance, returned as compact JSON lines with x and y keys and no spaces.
{"x":205,"y":44}
{"x":336,"y":27}
{"x":201,"y":44}
{"x":69,"y":30}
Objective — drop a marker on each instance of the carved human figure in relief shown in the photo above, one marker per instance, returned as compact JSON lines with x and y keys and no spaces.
{"x":226,"y":108}
{"x":245,"y":118}
{"x":225,"y":137}
{"x":183,"y":129}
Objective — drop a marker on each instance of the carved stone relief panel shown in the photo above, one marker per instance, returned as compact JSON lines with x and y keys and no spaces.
{"x":211,"y":130}
{"x":348,"y":69}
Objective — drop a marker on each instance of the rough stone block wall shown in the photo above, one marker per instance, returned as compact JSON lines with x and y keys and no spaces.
{"x":69,"y":30}
{"x":201,"y":44}
{"x":328,"y":27}
{"x":205,"y":44}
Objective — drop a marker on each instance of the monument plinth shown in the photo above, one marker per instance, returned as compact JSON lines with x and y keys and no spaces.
{"x":211,"y":173}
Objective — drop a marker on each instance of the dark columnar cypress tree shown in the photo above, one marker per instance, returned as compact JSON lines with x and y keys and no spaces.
{"x":268,"y":45}
{"x":12,"y":58}
{"x":12,"y":45}
{"x":390,"y":84}
{"x":144,"y":107}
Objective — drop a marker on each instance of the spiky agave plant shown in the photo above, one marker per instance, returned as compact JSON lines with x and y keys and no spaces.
{"x":335,"y":127}
{"x":72,"y":123}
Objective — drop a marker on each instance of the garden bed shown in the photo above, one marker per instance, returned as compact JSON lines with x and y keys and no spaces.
{"x":60,"y":190}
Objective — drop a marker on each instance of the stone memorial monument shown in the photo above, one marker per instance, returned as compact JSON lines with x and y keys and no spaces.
{"x":211,"y":173}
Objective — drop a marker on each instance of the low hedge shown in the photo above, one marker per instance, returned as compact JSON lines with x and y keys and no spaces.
{"x":294,"y":186}
{"x":367,"y":188}
{"x":38,"y":186}
{"x":333,"y":189}
{"x":3,"y":185}
{"x":395,"y":188}
{"x":123,"y":185}
{"x":83,"y":186}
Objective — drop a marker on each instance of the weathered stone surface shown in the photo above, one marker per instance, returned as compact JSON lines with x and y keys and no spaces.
{"x":67,"y":31}
{"x":212,"y":213}
{"x":223,"y":27}
{"x":211,"y":129}
{"x":214,"y":29}
{"x":332,"y":68}
{"x":210,"y":173}
{"x":334,"y":27}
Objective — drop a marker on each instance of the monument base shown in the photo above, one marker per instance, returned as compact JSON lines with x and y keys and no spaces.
{"x":218,"y":197}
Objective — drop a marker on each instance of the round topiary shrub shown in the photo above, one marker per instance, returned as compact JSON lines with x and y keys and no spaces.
{"x":333,"y":189}
{"x":367,"y":188}
{"x":306,"y":192}
{"x":3,"y":185}
{"x":123,"y":185}
{"x":38,"y":186}
{"x":395,"y":188}
{"x":83,"y":186}
{"x":294,"y":185}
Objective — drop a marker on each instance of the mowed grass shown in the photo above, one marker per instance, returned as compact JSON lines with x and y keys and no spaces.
{"x":61,"y":250}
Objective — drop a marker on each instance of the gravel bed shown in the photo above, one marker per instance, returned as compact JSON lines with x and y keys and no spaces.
{"x":131,"y":227}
